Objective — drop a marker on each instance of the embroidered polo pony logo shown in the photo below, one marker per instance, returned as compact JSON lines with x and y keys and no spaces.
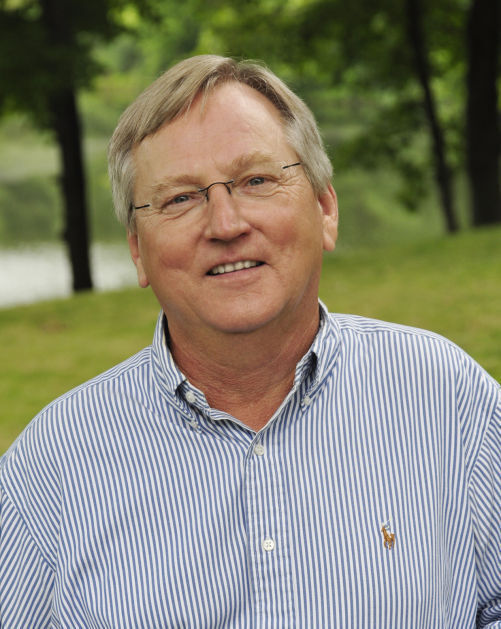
{"x":388,"y":536}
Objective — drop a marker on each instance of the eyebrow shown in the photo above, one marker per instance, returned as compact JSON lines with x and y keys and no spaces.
{"x":173,"y":182}
{"x":239,"y":163}
{"x":249,"y":159}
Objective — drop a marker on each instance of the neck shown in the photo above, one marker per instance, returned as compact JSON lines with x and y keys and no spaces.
{"x":245,"y":375}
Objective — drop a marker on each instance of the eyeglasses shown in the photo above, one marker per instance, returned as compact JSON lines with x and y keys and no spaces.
{"x":259,"y":181}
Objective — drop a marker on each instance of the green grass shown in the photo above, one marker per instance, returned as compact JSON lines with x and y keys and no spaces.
{"x":449,"y":285}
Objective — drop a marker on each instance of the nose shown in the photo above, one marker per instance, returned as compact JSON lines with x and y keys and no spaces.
{"x":224,"y":218}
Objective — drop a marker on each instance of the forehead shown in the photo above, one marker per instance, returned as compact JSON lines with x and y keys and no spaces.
{"x":232,"y":121}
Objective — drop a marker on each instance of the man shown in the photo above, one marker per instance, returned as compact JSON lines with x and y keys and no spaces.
{"x":263,"y":463}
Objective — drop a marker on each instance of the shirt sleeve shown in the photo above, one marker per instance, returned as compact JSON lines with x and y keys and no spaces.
{"x":485,"y":487}
{"x":26,"y":579}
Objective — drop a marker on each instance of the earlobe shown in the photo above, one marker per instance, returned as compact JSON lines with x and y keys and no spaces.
{"x":328,"y":204}
{"x":133,"y":240}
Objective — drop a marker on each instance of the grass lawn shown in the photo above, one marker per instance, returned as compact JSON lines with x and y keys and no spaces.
{"x":450,"y":285}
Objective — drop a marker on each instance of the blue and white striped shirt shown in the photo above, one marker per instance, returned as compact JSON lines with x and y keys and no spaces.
{"x":371,"y":499}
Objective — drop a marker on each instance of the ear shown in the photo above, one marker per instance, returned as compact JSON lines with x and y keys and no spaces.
{"x":327,"y":201}
{"x":135,"y":252}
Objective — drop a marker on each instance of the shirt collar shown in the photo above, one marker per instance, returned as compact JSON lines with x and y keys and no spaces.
{"x":317,"y":361}
{"x":167,"y":373}
{"x":320,"y":357}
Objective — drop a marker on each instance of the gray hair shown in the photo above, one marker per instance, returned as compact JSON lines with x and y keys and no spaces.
{"x":172,"y":94}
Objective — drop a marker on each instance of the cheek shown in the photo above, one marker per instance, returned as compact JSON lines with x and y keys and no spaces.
{"x":299,"y":230}
{"x":167,"y":257}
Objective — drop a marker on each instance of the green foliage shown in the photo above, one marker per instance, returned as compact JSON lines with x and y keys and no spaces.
{"x":29,"y":211}
{"x":363,"y":48}
{"x":105,"y":226}
{"x":30,"y":202}
{"x":48,"y":46}
{"x":351,"y":63}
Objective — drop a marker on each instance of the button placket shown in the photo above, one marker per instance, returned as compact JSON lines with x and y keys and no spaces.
{"x":268,"y":536}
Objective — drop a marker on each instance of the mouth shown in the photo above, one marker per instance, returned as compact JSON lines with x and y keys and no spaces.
{"x":231,"y":267}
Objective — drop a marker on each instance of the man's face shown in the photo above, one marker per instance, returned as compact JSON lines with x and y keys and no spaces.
{"x":284,"y":233}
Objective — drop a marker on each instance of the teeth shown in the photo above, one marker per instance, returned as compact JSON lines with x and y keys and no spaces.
{"x":230,"y":267}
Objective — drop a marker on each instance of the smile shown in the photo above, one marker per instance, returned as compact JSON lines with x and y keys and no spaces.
{"x":233,"y":266}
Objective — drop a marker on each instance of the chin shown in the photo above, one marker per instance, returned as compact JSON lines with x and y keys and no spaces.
{"x":245,"y":321}
{"x":240,"y":326}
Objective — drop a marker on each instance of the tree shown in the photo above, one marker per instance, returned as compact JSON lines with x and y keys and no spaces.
{"x":422,"y":68}
{"x":64,"y":119}
{"x":45,"y":58}
{"x":483,"y":131}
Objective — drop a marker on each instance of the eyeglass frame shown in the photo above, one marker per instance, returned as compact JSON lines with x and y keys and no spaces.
{"x":226,"y":184}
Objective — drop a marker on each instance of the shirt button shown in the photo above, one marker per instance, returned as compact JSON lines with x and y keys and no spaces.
{"x":307,"y":400}
{"x":190,"y":397}
{"x":259,"y":449}
{"x":268,"y":544}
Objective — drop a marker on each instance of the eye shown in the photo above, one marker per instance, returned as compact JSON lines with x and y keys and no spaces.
{"x":261,"y":183}
{"x":179,"y":202}
{"x":180,"y":198}
{"x":256,"y":180}
{"x":175,"y":203}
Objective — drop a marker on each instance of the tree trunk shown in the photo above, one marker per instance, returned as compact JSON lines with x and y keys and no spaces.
{"x":483,"y":133}
{"x":442,"y":170}
{"x":65,"y":121}
{"x":56,"y":17}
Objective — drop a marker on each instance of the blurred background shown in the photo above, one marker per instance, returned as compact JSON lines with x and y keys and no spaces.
{"x":407,"y":96}
{"x":406,"y":93}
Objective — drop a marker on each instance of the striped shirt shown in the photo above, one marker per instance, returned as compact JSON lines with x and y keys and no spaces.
{"x":371,"y":499}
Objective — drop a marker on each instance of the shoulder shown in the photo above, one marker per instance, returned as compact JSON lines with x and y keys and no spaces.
{"x":87,"y":403}
{"x":408,"y":340}
{"x":428,"y":358}
{"x":124,"y":377}
{"x":69,"y":429}
{"x":359,"y":325}
{"x":424,"y":363}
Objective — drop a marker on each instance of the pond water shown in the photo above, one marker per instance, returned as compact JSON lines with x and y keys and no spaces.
{"x":38,"y":272}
